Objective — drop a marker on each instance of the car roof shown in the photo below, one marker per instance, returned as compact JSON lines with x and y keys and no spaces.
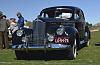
{"x":70,"y":7}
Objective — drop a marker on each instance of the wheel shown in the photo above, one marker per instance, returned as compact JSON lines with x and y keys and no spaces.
{"x":87,"y":43}
{"x":73,"y":51}
{"x":86,"y":39}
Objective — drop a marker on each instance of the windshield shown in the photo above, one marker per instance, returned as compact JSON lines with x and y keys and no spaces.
{"x":63,"y":13}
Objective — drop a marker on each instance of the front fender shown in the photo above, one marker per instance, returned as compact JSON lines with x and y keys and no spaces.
{"x":72,"y":33}
{"x":18,"y":39}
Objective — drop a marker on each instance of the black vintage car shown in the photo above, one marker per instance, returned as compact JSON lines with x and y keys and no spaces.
{"x":56,"y":28}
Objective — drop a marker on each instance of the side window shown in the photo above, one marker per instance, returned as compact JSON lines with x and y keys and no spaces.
{"x":77,"y":15}
{"x":46,"y":15}
{"x":82,"y":15}
{"x":42,"y":15}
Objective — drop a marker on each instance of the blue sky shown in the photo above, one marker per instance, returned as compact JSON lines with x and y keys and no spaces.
{"x":31,"y":8}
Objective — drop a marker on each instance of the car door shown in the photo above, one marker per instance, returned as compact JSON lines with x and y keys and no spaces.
{"x":80,"y":23}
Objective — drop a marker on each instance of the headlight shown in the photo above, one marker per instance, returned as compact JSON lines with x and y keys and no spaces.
{"x":19,"y":32}
{"x":50,"y":37}
{"x":60,"y":30}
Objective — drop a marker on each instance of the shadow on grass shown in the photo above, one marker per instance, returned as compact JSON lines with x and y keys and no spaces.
{"x":41,"y":55}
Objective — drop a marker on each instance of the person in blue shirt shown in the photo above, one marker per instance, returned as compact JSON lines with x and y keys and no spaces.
{"x":20,"y":20}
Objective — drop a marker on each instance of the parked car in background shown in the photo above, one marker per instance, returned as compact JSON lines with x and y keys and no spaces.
{"x":56,"y":28}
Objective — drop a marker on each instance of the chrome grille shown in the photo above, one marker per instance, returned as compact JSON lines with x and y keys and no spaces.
{"x":39,"y":32}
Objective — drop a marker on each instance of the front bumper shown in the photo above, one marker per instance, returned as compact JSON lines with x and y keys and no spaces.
{"x":40,"y":47}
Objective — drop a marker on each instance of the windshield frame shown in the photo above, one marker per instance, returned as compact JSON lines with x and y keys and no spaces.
{"x":47,"y":11}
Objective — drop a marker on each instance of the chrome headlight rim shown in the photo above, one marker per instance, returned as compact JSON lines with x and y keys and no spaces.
{"x":50,"y":37}
{"x":60,"y":31}
{"x":19,"y":33}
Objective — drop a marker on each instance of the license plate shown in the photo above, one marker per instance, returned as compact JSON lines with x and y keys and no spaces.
{"x":61,"y":40}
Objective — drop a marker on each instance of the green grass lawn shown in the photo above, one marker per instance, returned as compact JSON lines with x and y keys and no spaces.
{"x":87,"y":56}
